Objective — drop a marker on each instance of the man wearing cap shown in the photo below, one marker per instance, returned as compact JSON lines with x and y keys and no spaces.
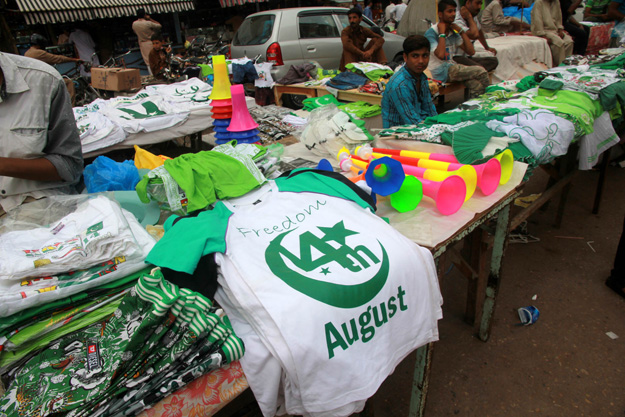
{"x":37,"y":51}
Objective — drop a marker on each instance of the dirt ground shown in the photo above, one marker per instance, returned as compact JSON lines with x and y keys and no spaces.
{"x":563,"y":365}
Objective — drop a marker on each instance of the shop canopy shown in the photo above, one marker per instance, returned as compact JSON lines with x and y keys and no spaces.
{"x":62,"y":11}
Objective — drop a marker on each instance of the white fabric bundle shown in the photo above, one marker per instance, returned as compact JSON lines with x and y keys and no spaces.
{"x":143,"y":113}
{"x":96,"y":130}
{"x":545,"y":134}
{"x":95,"y":232}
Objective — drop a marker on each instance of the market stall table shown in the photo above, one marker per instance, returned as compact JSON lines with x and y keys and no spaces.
{"x":320,"y":90}
{"x":426,"y":227}
{"x":514,"y":52}
{"x":198,"y":121}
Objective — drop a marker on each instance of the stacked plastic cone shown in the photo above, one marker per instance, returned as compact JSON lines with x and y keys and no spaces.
{"x":242,"y":127}
{"x":221,"y":100}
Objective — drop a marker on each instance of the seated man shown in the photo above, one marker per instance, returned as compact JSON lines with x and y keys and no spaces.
{"x":616,"y":13}
{"x":36,"y":51}
{"x":573,"y":27}
{"x":354,"y":37}
{"x":158,"y":57}
{"x":40,"y":151}
{"x":494,"y":21}
{"x":596,"y":11}
{"x":446,"y":38}
{"x":407,"y":99}
{"x":466,"y":19}
{"x":547,"y":23}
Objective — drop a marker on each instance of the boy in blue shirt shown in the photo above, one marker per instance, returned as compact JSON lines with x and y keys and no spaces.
{"x":407,"y":99}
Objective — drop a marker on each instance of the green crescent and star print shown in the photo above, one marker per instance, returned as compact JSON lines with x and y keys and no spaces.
{"x":335,"y":294}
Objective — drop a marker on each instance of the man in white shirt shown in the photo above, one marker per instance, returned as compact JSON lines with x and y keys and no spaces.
{"x":466,"y":19}
{"x":398,"y":13}
{"x":144,"y":27}
{"x":446,"y":39}
{"x":85,"y":48}
{"x":388,"y":11}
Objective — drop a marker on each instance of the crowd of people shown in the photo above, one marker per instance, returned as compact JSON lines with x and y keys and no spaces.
{"x":450,"y":43}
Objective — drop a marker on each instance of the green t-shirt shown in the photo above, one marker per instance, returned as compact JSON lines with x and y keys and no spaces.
{"x":597,"y":6}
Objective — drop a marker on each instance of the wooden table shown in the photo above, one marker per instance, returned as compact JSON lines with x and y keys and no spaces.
{"x":483,"y":244}
{"x":320,"y":90}
{"x":484,"y":232}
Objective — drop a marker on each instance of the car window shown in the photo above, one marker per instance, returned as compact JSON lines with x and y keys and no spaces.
{"x":255,"y":30}
{"x":317,"y":26}
{"x":344,"y":20}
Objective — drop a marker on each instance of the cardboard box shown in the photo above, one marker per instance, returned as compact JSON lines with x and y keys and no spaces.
{"x":116,"y":79}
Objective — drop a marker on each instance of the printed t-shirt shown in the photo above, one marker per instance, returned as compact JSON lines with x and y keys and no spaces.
{"x":310,"y":244}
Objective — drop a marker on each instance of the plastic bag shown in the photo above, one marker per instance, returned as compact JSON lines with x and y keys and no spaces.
{"x":330,"y":129}
{"x":104,"y":174}
{"x":147,"y":160}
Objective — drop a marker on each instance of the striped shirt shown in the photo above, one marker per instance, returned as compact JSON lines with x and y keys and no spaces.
{"x":403,"y":103}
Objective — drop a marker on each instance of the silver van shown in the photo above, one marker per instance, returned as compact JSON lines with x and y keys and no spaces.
{"x":303,"y":34}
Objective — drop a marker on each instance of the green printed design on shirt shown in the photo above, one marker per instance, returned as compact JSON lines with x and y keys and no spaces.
{"x":354,"y":259}
{"x":151,"y":110}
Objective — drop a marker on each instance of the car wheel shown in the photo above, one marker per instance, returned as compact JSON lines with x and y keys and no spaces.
{"x":293,"y":101}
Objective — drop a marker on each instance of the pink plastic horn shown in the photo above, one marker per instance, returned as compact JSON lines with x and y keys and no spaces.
{"x":506,"y":159}
{"x":466,"y":172}
{"x":241,"y":119}
{"x":416,"y":154}
{"x":448,"y":194}
{"x":487,"y":175}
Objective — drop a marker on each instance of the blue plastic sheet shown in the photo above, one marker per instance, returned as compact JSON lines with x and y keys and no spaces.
{"x":104,"y":174}
{"x":515,"y":11}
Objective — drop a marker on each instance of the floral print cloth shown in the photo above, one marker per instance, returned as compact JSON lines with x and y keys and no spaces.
{"x":203,"y":397}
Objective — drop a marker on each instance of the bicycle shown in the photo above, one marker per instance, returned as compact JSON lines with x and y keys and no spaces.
{"x":84,"y":92}
{"x":117,"y":61}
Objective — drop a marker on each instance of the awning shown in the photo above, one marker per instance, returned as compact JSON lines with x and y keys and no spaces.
{"x":231,"y":3}
{"x":62,"y":11}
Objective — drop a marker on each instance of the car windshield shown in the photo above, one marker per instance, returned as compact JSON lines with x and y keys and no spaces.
{"x":254,"y":30}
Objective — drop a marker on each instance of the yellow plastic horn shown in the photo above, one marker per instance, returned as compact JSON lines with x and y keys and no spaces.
{"x":221,"y":82}
{"x":343,"y":153}
{"x":506,"y":159}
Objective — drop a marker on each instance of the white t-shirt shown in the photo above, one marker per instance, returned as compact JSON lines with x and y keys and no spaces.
{"x":463,"y":23}
{"x":264,"y":75}
{"x":399,"y":11}
{"x":388,"y":12}
{"x":85,"y":45}
{"x":336,"y":295}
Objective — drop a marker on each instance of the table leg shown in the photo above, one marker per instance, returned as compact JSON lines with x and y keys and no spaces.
{"x":277,"y":95}
{"x":494,"y":275}
{"x":603,"y":167}
{"x":421,"y":380}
